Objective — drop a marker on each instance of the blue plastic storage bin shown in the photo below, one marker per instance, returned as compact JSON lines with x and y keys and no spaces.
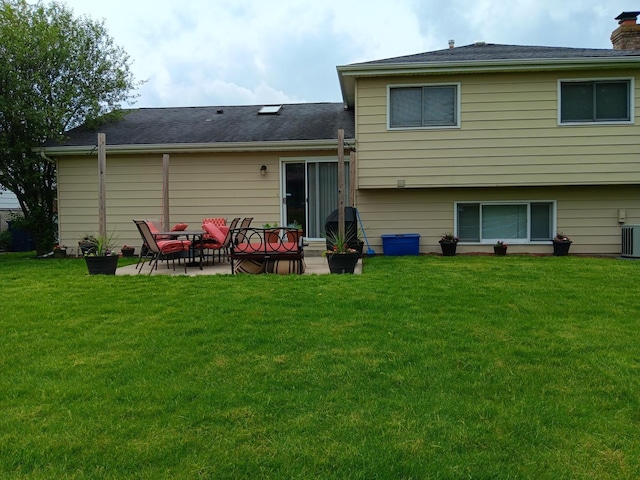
{"x":401,"y":244}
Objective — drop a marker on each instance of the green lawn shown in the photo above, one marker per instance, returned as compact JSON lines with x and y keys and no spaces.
{"x":422,"y":367}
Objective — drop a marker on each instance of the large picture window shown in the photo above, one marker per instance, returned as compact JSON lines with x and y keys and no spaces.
{"x":595,"y":101}
{"x":424,"y":106}
{"x":518,"y":222}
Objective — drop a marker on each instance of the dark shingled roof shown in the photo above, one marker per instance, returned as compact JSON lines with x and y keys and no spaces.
{"x":236,"y":124}
{"x":490,"y":51}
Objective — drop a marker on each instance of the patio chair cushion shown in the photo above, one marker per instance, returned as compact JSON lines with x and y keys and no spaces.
{"x":172,"y":246}
{"x":179,"y":227}
{"x":254,"y":247}
{"x":214,"y":233}
{"x":218,"y":222}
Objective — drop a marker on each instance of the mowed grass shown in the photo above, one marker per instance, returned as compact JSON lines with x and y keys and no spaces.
{"x":423,"y":367}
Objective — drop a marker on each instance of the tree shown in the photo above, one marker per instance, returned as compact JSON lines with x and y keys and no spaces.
{"x":56,"y":72}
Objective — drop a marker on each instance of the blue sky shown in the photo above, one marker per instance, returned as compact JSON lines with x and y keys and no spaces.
{"x":240,"y":52}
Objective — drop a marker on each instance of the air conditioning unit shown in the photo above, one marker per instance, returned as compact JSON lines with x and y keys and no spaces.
{"x":631,"y":241}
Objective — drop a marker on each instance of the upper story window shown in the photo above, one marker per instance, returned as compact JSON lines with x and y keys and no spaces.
{"x":428,"y":106}
{"x":595,"y":101}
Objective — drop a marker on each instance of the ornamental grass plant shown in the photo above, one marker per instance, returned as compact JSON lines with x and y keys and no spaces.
{"x":422,"y":367}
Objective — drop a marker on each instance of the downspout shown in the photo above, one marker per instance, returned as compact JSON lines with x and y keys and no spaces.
{"x":44,"y":157}
{"x":51,"y":160}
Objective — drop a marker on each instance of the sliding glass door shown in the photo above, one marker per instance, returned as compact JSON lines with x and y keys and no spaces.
{"x":310,"y":194}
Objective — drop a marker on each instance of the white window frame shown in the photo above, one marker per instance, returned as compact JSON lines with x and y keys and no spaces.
{"x":523,"y":241}
{"x":419,"y":85}
{"x":632,"y":89}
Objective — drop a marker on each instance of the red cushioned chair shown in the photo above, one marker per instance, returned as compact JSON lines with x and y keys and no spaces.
{"x":218,"y":221}
{"x":160,"y":248}
{"x":217,"y":238}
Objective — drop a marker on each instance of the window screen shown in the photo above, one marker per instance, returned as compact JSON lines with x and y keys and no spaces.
{"x":427,"y":106}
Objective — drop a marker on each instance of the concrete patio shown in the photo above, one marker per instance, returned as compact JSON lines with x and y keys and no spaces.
{"x":315,"y":265}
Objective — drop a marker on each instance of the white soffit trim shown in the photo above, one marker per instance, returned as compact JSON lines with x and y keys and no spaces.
{"x":302,"y":145}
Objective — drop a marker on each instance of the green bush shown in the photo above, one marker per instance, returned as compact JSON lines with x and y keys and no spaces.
{"x":5,"y":240}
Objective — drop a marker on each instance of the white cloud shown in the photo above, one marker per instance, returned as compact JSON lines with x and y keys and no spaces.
{"x":221,"y":52}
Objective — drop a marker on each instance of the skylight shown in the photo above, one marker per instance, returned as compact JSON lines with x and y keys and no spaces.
{"x":270,"y":110}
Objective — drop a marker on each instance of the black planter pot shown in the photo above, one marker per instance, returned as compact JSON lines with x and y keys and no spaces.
{"x":128,"y":252}
{"x":105,"y":265}
{"x":561,"y":249}
{"x":497,"y":250}
{"x":448,"y":248}
{"x":342,"y":262}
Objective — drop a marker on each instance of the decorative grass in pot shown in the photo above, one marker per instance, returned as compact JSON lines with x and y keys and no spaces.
{"x":341,"y":258}
{"x":103,"y":260}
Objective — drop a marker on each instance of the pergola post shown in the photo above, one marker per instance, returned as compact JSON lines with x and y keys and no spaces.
{"x":341,"y":182}
{"x":102,"y":185}
{"x":165,"y":192}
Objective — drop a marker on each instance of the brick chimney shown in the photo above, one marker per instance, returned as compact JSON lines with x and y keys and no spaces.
{"x":627,"y":35}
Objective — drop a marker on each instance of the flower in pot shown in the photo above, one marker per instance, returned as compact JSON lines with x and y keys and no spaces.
{"x":341,"y":258}
{"x":561,"y":244}
{"x":500,"y":247}
{"x":448,"y":243}
{"x":59,"y":251}
{"x":294,"y":236}
{"x":103,"y":258}
{"x":87,"y":244}
{"x":127,"y":251}
{"x":272,"y":232}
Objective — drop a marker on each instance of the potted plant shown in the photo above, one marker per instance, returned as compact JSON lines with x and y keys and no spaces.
{"x":128,"y":251}
{"x":59,"y":251}
{"x":103,"y":259}
{"x":500,"y":248}
{"x":341,"y":258}
{"x":87,"y":244}
{"x":294,"y":236}
{"x":561,"y":244}
{"x":448,"y":243}
{"x":272,"y":232}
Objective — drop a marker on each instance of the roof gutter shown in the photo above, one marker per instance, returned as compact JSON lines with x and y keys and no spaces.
{"x":302,"y":145}
{"x":347,"y":74}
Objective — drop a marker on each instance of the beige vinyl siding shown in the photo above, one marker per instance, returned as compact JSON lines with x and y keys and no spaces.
{"x":200,"y":186}
{"x":508,"y":136}
{"x":589,"y":215}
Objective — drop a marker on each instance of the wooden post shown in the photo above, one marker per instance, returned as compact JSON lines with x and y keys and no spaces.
{"x":102,"y":185}
{"x":341,"y":183}
{"x":352,"y":178}
{"x":165,"y":192}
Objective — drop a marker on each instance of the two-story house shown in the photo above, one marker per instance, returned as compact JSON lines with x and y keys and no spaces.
{"x":491,"y":142}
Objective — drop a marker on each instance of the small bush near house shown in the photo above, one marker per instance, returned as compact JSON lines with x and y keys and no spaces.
{"x":5,"y":239}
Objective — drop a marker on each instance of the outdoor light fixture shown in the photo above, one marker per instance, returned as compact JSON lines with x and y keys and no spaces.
{"x":263,"y":170}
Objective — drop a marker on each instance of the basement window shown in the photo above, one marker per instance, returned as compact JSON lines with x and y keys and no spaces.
{"x":517,"y":222}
